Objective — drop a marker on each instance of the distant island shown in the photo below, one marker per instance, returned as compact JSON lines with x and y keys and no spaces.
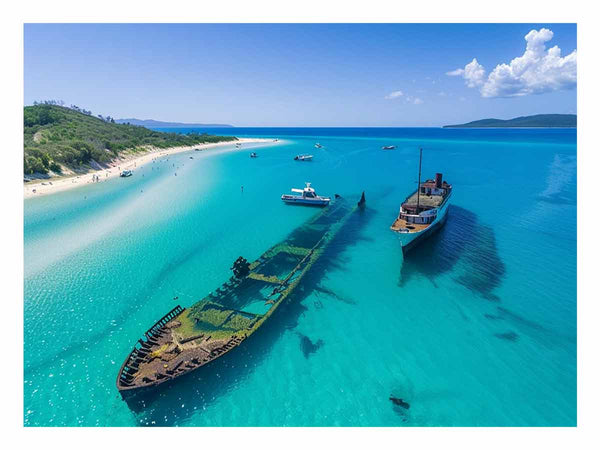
{"x":149,"y":123}
{"x":59,"y":139}
{"x":537,"y":121}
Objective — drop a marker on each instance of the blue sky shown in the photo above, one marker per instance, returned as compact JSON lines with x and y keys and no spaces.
{"x":303,"y":74}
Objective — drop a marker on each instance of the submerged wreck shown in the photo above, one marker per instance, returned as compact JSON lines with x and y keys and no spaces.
{"x":184,"y":340}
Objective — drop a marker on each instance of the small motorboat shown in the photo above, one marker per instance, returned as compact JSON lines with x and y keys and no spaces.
{"x":253,"y":155}
{"x":388,"y":147}
{"x":303,"y":157}
{"x":307,"y":196}
{"x":317,"y":145}
{"x":126,"y":173}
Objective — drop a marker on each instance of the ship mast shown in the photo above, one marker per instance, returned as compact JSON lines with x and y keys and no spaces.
{"x":419,"y":182}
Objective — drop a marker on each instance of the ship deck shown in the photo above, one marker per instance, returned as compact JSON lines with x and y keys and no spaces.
{"x":401,"y":224}
{"x":428,"y":201}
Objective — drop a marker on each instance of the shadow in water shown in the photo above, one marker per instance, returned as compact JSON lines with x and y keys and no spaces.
{"x":174,"y":403}
{"x":485,"y":269}
{"x":309,"y":347}
{"x":528,"y":327}
{"x":330,"y":293}
{"x":508,"y":336}
{"x":464,"y":239}
{"x":516,"y":318}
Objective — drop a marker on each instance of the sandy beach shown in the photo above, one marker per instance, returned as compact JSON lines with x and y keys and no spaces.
{"x":113,"y":169}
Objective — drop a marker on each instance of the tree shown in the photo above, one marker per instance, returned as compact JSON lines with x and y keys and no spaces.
{"x":55,"y":167}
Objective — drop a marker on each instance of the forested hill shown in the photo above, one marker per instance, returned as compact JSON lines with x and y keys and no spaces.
{"x":57,"y":137}
{"x":537,"y":121}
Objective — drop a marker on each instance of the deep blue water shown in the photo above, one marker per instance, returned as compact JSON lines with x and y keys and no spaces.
{"x":477,"y":326}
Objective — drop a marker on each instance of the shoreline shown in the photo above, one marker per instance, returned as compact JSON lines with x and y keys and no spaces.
{"x":42,"y":187}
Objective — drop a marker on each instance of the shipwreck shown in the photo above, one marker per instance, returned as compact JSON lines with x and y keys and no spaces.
{"x":186,"y":339}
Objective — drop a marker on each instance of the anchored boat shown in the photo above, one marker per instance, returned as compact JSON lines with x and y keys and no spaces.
{"x":184,"y":340}
{"x":307,"y":196}
{"x":303,"y":157}
{"x":126,"y":173}
{"x":388,"y":147}
{"x":423,"y":211}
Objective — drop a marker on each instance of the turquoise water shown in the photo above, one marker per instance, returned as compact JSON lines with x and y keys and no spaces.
{"x":476,"y":327}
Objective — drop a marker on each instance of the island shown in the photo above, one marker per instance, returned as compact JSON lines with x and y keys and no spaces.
{"x":536,"y":121}
{"x":150,"y":123}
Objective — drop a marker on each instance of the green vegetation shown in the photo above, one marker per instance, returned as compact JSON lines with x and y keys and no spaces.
{"x":210,"y":321}
{"x":537,"y":121}
{"x":56,"y":136}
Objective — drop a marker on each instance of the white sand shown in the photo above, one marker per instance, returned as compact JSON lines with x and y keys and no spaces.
{"x":132,"y":161}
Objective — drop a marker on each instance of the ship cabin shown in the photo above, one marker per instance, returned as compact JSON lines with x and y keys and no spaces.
{"x":420,"y":209}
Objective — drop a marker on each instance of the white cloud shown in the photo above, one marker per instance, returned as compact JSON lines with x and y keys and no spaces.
{"x":407,"y":98}
{"x":414,"y":100}
{"x":474,"y":74}
{"x":537,"y":71}
{"x":456,"y":72}
{"x":394,"y":94}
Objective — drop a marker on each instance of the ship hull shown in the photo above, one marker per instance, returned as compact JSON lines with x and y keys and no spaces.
{"x":301,"y":201}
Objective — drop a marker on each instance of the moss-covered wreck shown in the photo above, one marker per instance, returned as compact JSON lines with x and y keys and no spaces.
{"x":185,"y":339}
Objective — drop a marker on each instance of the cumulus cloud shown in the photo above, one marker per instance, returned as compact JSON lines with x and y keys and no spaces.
{"x":394,"y":94}
{"x":473,"y":73}
{"x":537,"y":71}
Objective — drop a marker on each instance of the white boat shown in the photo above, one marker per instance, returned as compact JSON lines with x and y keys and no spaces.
{"x":307,"y":196}
{"x":253,"y":155}
{"x":126,"y":173}
{"x":388,"y":147}
{"x":303,"y":157}
{"x":317,"y":145}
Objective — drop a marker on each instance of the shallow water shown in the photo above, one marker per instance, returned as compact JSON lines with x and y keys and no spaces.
{"x":476,"y":327}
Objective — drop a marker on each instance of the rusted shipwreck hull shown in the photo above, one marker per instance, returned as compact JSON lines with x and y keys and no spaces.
{"x":184,"y":340}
